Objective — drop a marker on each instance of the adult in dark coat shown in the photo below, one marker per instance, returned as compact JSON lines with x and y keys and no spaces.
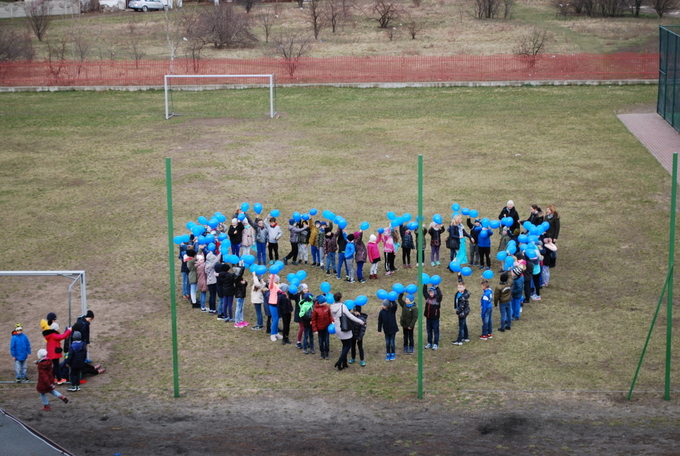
{"x":510,"y":211}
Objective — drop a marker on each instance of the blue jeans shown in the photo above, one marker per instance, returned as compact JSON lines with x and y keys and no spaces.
{"x":203,"y":293}
{"x":516,"y":305}
{"x":341,"y":262}
{"x":20,"y":368}
{"x":192,"y":292}
{"x":506,"y":318}
{"x":235,"y":248}
{"x":360,"y":270}
{"x":221,"y":305}
{"x":330,"y":261}
{"x":308,"y":338}
{"x":54,"y":393}
{"x":261,"y":253}
{"x":239,"y":309}
{"x":324,"y":340}
{"x":487,"y":324}
{"x":274,"y":311}
{"x":390,"y":343}
{"x":225,"y":307}
{"x":315,"y":255}
{"x":433,"y":332}
{"x":258,"y":314}
{"x":185,"y":284}
{"x":462,"y":330}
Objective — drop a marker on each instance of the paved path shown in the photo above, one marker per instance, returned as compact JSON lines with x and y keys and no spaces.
{"x":655,"y":134}
{"x":19,"y":439}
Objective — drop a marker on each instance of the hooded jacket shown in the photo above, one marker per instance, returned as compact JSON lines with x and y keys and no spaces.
{"x":432,"y":303}
{"x":409,"y":315}
{"x":462,"y":304}
{"x":19,"y":346}
{"x":53,"y":338}
{"x":361,"y":253}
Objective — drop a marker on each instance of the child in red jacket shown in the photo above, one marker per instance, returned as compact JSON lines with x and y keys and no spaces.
{"x":321,"y":319}
{"x":46,"y":380}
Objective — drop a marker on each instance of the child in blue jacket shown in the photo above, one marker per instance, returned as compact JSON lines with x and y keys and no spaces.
{"x":387,"y":321}
{"x":20,"y":348}
{"x":487,"y":310}
{"x":517,"y":291}
{"x":484,"y":246}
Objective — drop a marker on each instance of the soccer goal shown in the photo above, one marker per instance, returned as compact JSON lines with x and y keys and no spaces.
{"x":194,"y":82}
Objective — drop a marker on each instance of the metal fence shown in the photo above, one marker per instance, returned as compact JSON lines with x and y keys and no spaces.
{"x":338,"y":70}
{"x":668,"y":102}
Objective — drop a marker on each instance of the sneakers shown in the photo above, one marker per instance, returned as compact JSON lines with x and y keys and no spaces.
{"x":362,"y":363}
{"x":435,"y":346}
{"x":18,"y":380}
{"x":466,"y":340}
{"x":298,"y":345}
{"x":484,"y":337}
{"x":362,"y":281}
{"x":203,"y":309}
{"x":393,"y":356}
{"x":438,"y":263}
{"x":278,"y":336}
{"x":388,"y":357}
{"x":428,"y":346}
{"x":455,"y":342}
{"x":405,"y":349}
{"x":221,"y":318}
{"x":24,"y":380}
{"x":312,"y":351}
{"x":501,"y":329}
{"x":351,"y":361}
{"x":304,"y":350}
{"x":46,"y":408}
{"x":489,"y":336}
{"x":432,"y":263}
{"x":64,"y":399}
{"x":256,"y":328}
{"x":272,"y":338}
{"x":410,"y":350}
{"x":74,"y":388}
{"x":61,"y":382}
{"x":535,"y":297}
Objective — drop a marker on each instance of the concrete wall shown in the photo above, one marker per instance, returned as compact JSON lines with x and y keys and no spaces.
{"x":57,"y":8}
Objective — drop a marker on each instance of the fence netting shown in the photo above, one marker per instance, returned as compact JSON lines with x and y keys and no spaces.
{"x":668,"y":102}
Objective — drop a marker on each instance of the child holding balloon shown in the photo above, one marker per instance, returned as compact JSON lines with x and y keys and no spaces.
{"x":373,"y":256}
{"x":433,"y":300}
{"x":360,"y":254}
{"x":275,"y":234}
{"x":436,"y":230}
{"x":486,"y":311}
{"x":385,"y":236}
{"x":409,"y":317}
{"x":484,"y":244}
{"x":321,"y":319}
{"x":359,"y":331}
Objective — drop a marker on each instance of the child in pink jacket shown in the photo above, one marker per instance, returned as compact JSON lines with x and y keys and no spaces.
{"x":373,"y":256}
{"x":388,"y":249}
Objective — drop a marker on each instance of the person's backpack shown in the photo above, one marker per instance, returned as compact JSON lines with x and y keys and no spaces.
{"x":306,"y":309}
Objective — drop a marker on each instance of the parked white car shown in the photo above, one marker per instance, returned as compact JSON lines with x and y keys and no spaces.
{"x":146,"y":5}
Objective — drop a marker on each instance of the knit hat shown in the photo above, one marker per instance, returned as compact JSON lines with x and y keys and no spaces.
{"x":510,"y":203}
{"x":323,"y":223}
{"x":432,"y":289}
{"x":51,"y":316}
{"x":517,"y":270}
{"x":18,"y":327}
{"x":304,"y":286}
{"x":386,"y":303}
{"x":89,"y":314}
{"x":284,"y":287}
{"x":291,"y":221}
{"x":321,"y":299}
{"x":77,"y":335}
{"x":372,"y":238}
{"x":234,"y":221}
{"x":42,"y":353}
{"x":54,"y":326}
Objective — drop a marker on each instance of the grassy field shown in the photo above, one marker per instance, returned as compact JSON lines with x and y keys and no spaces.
{"x":82,"y":187}
{"x":449,"y":28}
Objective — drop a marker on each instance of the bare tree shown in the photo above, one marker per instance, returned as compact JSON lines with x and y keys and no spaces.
{"x":248,"y":4}
{"x":267,"y":26}
{"x":390,"y":32}
{"x":134,"y":41}
{"x":225,"y":27}
{"x":634,"y":7}
{"x":301,"y":3}
{"x":335,"y":13}
{"x":664,"y":6}
{"x":90,"y":6}
{"x":316,"y":15}
{"x":385,"y":12}
{"x":414,"y":26}
{"x":38,"y":17}
{"x":531,"y":44}
{"x":490,"y":9}
{"x":56,"y":53}
{"x":173,"y":31}
{"x":15,"y":45}
{"x":292,"y":47}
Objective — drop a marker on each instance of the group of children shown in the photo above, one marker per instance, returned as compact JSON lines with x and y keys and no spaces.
{"x":71,"y":344}
{"x":206,"y":277}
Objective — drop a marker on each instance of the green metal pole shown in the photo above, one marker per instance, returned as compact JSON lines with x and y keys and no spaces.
{"x":649,"y":336}
{"x":171,"y":262}
{"x":671,"y":263}
{"x":420,"y":261}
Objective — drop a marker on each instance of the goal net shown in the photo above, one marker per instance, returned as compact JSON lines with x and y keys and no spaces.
{"x":181,"y":97}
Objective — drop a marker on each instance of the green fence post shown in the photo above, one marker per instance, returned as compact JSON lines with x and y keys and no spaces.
{"x":671,"y":263}
{"x":419,"y":251}
{"x":171,"y":262}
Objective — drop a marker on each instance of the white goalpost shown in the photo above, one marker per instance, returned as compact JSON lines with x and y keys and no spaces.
{"x":169,"y":108}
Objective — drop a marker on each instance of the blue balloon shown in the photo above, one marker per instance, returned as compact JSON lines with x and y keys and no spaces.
{"x":241,"y":216}
{"x":399,"y":288}
{"x":330,"y":299}
{"x":177,"y":240}
{"x":411,"y":288}
{"x":488,"y":275}
{"x":222,"y":218}
{"x":186,"y":238}
{"x":292,"y":289}
{"x":253,"y":268}
{"x":245,"y":207}
{"x":454,"y":266}
{"x":248,"y":259}
{"x":494,"y":224}
{"x":342,"y":224}
{"x":533,"y":238}
{"x":484,"y":234}
{"x":328,"y":215}
{"x":436,"y":218}
{"x":202,"y":220}
{"x":381,"y":230}
{"x":509,"y":262}
{"x":209,"y":238}
{"x":523,"y":238}
{"x":305,"y":216}
{"x":331,"y":328}
{"x":190,"y":225}
{"x":261,"y":269}
{"x":426,"y":279}
{"x":349,"y":304}
{"x":296,"y":216}
{"x":294,"y":281}
{"x":396,"y":222}
{"x":275,"y":213}
{"x":301,"y":275}
{"x":512,"y":249}
{"x":527,"y":225}
{"x":325,"y":287}
{"x":274,"y":269}
{"x":474,"y":213}
{"x":391,"y":215}
{"x":507,"y":221}
{"x":465,"y":211}
{"x":257,"y":207}
{"x":233,"y":259}
{"x":413,"y":226}
{"x":435,"y":280}
{"x":392,"y":296}
{"x":213,"y":222}
{"x":280,"y":264}
{"x":381,"y":294}
{"x":197,"y":230}
{"x":313,"y":211}
{"x":364,"y":226}
{"x":226,"y":243}
{"x":222,"y":237}
{"x":212,"y":246}
{"x":406,"y":217}
{"x":337,"y":219}
{"x":466,"y":271}
{"x":545,"y":226}
{"x":455,"y":207}
{"x":485,"y":222}
{"x":500,"y":256}
{"x":361,"y":300}
{"x":201,"y":240}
